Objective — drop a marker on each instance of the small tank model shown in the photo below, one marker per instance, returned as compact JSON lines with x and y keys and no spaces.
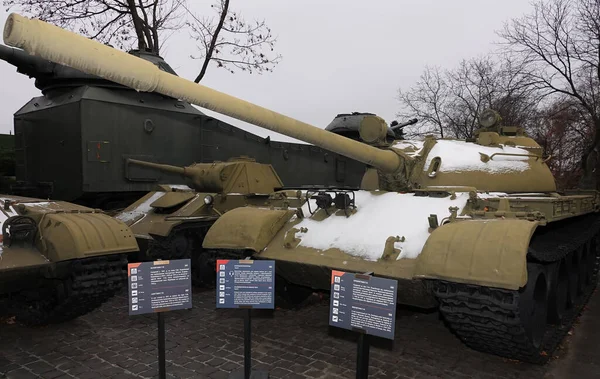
{"x":59,"y":260}
{"x":474,"y":228}
{"x":170,"y":222}
{"x":93,"y":123}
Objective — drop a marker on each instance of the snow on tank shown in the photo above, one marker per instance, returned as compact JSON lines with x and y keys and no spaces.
{"x":397,"y":214}
{"x":139,"y":211}
{"x":462,"y":156}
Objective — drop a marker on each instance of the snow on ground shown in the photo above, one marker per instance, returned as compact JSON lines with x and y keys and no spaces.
{"x":459,"y":156}
{"x":379,"y":216}
{"x":141,"y":209}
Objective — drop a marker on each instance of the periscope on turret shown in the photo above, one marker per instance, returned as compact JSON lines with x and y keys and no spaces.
{"x":475,"y":228}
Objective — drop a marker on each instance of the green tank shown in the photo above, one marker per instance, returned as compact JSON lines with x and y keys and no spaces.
{"x":474,"y":228}
{"x":170,"y":222}
{"x":58,"y":260}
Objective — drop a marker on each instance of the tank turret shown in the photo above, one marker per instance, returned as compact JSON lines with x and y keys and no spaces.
{"x":348,"y":125}
{"x":238,"y":175}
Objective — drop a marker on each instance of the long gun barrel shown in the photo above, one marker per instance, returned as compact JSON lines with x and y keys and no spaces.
{"x":412,"y":121}
{"x":159,"y":167}
{"x":61,"y":46}
{"x":25,"y":63}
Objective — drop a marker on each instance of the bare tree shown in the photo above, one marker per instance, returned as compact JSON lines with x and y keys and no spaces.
{"x":449,"y":103}
{"x":560,"y":128}
{"x":231,"y":42}
{"x":119,"y":23}
{"x":429,"y":101}
{"x":559,"y":42}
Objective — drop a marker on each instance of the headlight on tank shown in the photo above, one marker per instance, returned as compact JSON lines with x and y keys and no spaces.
{"x":208,"y":199}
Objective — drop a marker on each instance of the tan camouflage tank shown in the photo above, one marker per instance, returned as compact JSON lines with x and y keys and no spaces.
{"x":59,"y":260}
{"x":474,"y":228}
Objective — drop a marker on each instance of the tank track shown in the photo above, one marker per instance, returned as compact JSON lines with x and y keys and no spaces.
{"x":185,"y":242}
{"x":490,"y":319}
{"x":90,"y":283}
{"x":209,"y":261}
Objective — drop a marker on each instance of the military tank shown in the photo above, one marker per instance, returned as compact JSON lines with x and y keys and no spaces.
{"x":474,"y":228}
{"x":58,"y":260}
{"x":93,"y":123}
{"x":170,"y":222}
{"x":348,"y":125}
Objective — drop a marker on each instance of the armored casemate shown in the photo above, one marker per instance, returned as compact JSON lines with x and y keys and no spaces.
{"x":475,"y":227}
{"x":93,"y":123}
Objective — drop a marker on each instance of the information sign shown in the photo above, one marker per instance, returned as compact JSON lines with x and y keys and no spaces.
{"x":245,"y":284}
{"x":159,"y":286}
{"x":363,"y":303}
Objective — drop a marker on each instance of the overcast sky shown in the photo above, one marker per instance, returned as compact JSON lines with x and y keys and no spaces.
{"x":338,"y":56}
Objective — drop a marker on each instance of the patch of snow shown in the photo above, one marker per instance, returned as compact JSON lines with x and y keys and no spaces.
{"x":460,"y":156}
{"x":140,"y":210}
{"x":179,"y":186}
{"x":492,"y":195}
{"x":410,"y":147}
{"x":443,"y":187}
{"x":38,"y":204}
{"x":378,"y":216}
{"x":529,"y":194}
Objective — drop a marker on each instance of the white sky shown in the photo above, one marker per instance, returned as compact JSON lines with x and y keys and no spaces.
{"x":338,"y":56}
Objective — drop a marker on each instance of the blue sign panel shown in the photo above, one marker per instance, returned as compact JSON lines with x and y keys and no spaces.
{"x":159,"y":286}
{"x":363,"y":303}
{"x":245,"y":284}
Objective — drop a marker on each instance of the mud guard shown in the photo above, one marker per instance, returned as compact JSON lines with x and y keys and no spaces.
{"x":246,"y":228}
{"x":483,"y":252}
{"x":64,"y":236}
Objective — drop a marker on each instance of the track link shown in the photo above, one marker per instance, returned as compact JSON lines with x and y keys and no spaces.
{"x":185,"y":242}
{"x":494,"y":320}
{"x":90,"y":283}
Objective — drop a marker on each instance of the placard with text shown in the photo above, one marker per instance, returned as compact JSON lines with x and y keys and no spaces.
{"x":245,"y":284}
{"x":159,"y":286}
{"x":363,"y":303}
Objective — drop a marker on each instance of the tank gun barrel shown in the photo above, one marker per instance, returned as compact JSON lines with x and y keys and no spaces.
{"x":159,"y":166}
{"x":412,"y":121}
{"x":25,"y":63}
{"x":73,"y":50}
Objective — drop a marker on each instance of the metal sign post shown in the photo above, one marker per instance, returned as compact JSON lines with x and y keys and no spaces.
{"x":364,"y":304}
{"x":362,"y":356}
{"x":247,"y":285}
{"x":157,"y":287}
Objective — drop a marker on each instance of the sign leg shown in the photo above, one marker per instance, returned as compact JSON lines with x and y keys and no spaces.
{"x":362,"y":357}
{"x":162,"y":371}
{"x":247,"y":344}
